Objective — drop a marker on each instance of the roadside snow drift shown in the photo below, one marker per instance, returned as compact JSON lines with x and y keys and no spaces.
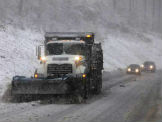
{"x":17,"y":53}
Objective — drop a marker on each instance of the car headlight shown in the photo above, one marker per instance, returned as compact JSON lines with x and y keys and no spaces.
{"x":129,"y":69}
{"x":151,"y":67}
{"x":137,"y":70}
{"x":142,"y":66}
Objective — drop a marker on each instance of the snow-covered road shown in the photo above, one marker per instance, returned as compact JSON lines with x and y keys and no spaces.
{"x":125,"y":98}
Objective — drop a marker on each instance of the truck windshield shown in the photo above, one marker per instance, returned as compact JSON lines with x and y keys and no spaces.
{"x":65,"y":48}
{"x":55,"y":49}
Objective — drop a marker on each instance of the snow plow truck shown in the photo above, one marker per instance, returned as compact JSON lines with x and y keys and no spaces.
{"x":70,"y":63}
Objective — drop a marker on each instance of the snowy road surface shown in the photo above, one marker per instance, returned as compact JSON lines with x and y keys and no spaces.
{"x":125,"y":98}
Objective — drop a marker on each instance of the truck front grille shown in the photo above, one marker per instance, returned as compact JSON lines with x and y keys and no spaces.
{"x":59,"y":69}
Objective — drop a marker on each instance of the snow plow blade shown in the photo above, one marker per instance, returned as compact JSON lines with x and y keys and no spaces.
{"x":23,"y":85}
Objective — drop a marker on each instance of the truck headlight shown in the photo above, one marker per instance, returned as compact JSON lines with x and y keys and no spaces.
{"x":78,"y":58}
{"x":43,"y":58}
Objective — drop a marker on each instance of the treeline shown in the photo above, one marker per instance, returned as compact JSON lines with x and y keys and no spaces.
{"x":83,"y":14}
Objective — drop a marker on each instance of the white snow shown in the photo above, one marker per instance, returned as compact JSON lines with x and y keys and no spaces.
{"x":122,"y":49}
{"x":17,"y":51}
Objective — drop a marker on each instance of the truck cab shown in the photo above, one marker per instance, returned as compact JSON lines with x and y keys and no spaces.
{"x":63,"y":55}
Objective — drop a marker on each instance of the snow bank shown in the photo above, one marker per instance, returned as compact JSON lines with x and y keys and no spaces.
{"x":122,"y":49}
{"x":17,"y":53}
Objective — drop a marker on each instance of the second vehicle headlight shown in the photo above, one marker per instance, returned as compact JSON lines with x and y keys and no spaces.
{"x":142,"y":66}
{"x":137,"y":70}
{"x":129,"y":69}
{"x":151,"y":67}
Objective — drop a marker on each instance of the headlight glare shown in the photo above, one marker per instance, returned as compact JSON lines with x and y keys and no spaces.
{"x":137,"y":70}
{"x":78,"y":58}
{"x":151,"y":67}
{"x":43,"y":58}
{"x":129,"y":69}
{"x":142,"y":66}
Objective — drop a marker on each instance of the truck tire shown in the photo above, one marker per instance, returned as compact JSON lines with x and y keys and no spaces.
{"x":98,"y":86}
{"x":87,"y":89}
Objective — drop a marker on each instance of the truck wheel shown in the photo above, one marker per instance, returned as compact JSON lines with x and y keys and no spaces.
{"x":18,"y":98}
{"x":98,"y":89}
{"x":86,"y":91}
{"x":98,"y":85}
{"x":22,"y":98}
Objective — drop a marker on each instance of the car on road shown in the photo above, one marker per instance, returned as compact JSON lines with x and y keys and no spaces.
{"x":148,"y":66}
{"x":134,"y":69}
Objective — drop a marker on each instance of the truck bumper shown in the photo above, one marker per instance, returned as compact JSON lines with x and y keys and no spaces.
{"x":45,"y":86}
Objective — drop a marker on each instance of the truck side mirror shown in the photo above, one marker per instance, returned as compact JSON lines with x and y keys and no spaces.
{"x":40,"y":51}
